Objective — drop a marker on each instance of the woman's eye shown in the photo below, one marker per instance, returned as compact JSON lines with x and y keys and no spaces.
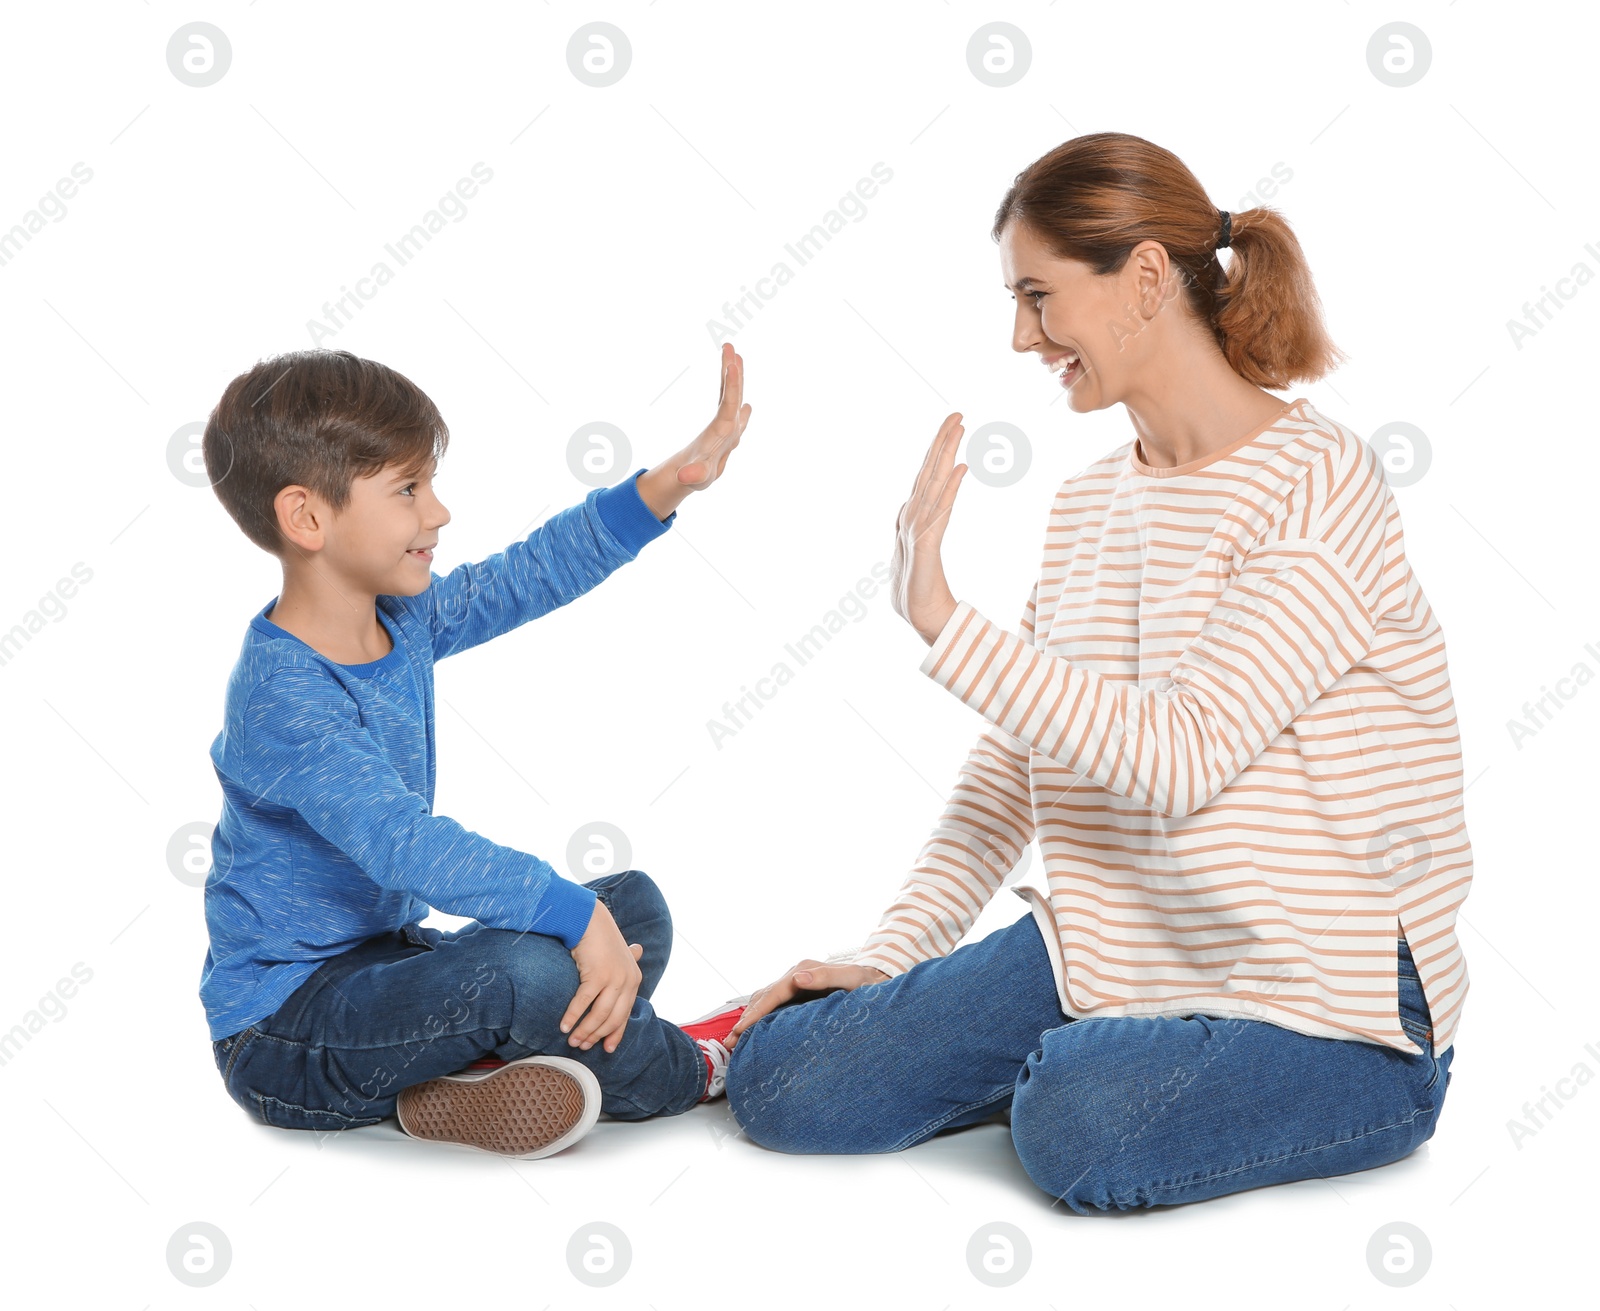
{"x":1036,"y":295}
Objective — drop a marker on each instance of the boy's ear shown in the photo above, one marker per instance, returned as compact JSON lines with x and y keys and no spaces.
{"x":299,"y":518}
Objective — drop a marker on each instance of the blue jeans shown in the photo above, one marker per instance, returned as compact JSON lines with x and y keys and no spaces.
{"x":417,"y":1003}
{"x":1107,"y":1114}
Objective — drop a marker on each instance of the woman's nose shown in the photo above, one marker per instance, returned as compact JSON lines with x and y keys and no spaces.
{"x":1024,"y":332}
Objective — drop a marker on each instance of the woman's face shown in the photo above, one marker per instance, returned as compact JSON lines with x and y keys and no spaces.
{"x":1064,"y":310}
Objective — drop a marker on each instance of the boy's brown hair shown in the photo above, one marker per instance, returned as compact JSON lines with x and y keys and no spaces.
{"x":317,"y":419}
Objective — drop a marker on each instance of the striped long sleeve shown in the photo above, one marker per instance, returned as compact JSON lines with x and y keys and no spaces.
{"x":1297,"y":615}
{"x":977,"y":841}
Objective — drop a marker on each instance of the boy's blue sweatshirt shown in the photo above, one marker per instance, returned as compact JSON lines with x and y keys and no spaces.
{"x":327,"y":834}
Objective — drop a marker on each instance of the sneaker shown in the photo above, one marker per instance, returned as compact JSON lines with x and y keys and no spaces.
{"x":527,"y":1108}
{"x":709,"y":1031}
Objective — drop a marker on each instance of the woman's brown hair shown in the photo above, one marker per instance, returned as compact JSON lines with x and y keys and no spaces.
{"x":317,"y":419}
{"x":1095,"y":197}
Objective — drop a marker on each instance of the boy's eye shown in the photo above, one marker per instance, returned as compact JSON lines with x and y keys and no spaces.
{"x":407,"y":489}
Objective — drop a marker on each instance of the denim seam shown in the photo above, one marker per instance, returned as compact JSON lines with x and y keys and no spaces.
{"x":1175,"y":1185}
{"x":375,"y":1047}
{"x":352,"y":1121}
{"x":238,"y":1046}
{"x":935,"y":1125}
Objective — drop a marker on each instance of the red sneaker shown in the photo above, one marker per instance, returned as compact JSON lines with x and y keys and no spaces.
{"x":709,"y":1031}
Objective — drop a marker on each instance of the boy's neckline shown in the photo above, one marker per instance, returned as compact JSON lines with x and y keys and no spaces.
{"x":362,"y":669}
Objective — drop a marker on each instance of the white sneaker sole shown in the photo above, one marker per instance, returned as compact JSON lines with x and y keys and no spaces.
{"x":528,"y":1108}
{"x":720,"y":1010}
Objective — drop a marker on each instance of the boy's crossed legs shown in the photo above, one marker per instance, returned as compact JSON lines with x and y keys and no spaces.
{"x":417,"y":1004}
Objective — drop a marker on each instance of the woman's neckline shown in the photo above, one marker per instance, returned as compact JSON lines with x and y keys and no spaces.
{"x":1176,"y":470}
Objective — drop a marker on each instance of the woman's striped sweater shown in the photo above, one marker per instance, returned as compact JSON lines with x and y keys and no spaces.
{"x":1227,"y":720}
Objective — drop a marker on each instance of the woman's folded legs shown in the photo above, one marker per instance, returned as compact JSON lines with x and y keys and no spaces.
{"x":886,"y":1065}
{"x":1107,"y":1114}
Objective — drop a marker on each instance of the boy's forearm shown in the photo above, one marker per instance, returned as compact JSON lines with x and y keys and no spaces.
{"x":660,"y":489}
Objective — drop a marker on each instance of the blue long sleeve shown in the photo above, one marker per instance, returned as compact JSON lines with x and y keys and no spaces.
{"x":307,"y":751}
{"x":560,"y":560}
{"x":327,"y":835}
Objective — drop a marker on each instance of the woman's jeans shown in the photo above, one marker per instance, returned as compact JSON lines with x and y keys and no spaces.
{"x":417,"y":1003}
{"x":1107,"y":1114}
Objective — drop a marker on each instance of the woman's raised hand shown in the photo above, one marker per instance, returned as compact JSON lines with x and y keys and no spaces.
{"x":921,"y":595}
{"x":808,"y":979}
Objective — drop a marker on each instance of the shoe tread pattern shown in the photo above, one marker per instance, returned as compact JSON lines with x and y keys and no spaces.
{"x":513,"y":1111}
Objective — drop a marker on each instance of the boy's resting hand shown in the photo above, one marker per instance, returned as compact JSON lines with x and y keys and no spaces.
{"x":809,"y":976}
{"x":699,"y":464}
{"x":609,"y":976}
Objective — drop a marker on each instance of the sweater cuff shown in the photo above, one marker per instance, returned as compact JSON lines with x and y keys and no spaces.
{"x":565,"y":911}
{"x":939,"y":663}
{"x":631,"y":521}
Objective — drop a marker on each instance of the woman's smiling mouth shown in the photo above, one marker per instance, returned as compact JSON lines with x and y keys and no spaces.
{"x":1066,"y":365}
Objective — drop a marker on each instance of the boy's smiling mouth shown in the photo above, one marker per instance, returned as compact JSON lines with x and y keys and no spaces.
{"x":422,"y":552}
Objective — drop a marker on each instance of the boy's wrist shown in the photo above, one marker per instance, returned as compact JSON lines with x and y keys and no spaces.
{"x":567,"y":910}
{"x":660,"y":489}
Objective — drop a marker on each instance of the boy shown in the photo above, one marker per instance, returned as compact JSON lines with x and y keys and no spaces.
{"x":329,"y":1005}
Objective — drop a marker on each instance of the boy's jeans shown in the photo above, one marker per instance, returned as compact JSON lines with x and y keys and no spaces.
{"x":417,"y":1003}
{"x":1106,"y":1114}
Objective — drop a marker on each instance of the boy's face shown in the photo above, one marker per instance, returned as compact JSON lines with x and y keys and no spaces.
{"x":383,"y":539}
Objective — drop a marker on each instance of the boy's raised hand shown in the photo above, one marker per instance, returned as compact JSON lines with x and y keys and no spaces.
{"x":609,"y":977}
{"x":703,"y":458}
{"x":699,"y":464}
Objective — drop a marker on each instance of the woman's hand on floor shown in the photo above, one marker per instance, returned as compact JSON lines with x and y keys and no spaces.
{"x":609,"y":977}
{"x":807,"y":980}
{"x":921,"y":595}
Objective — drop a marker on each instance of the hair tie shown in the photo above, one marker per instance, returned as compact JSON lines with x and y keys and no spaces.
{"x":1227,"y":230}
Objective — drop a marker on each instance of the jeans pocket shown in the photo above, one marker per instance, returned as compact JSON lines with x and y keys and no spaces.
{"x":225,"y":1051}
{"x":286,"y":1115}
{"x":1417,"y":1022}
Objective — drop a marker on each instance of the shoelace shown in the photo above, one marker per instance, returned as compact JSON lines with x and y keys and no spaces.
{"x":717,"y":1062}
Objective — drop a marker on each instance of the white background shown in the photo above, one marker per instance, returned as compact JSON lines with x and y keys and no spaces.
{"x":578,"y":287}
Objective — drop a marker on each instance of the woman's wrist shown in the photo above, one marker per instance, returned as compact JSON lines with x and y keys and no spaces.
{"x":935,"y":620}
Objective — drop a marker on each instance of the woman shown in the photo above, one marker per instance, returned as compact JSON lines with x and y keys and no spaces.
{"x":1227,"y":720}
